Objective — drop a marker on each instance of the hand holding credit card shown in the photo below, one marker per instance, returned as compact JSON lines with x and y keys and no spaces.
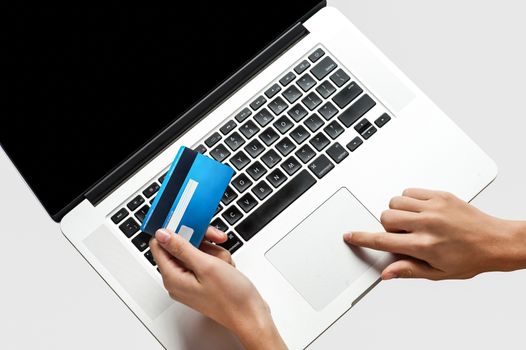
{"x":189,"y":196}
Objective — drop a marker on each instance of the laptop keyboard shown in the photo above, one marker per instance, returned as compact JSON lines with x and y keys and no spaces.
{"x":280,"y":144}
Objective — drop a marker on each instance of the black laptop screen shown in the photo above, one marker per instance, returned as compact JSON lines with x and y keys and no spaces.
{"x":86,"y":88}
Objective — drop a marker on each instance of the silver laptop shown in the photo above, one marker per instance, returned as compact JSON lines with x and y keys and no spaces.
{"x":320,"y":127}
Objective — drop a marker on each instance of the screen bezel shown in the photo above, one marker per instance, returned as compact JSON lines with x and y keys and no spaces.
{"x":127,"y":167}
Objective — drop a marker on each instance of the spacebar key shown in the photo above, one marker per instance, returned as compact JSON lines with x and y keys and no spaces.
{"x":273,"y":206}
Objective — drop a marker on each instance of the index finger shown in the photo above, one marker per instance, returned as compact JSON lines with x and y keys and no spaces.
{"x":398,"y":243}
{"x":170,"y":268}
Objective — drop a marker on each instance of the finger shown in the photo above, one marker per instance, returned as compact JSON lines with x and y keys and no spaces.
{"x":419,"y":193}
{"x":412,"y":268}
{"x":389,"y":242}
{"x":395,"y":220}
{"x":182,"y":250}
{"x":217,"y":251}
{"x":164,"y":260}
{"x":176,"y":278}
{"x":407,"y":204}
{"x":215,"y":235}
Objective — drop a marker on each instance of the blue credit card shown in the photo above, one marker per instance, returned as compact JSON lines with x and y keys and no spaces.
{"x":189,"y":196}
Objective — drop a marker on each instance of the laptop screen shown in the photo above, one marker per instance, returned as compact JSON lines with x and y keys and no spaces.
{"x":88,"y":87}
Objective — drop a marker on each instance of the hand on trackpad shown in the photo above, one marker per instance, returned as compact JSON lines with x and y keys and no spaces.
{"x":313,"y":257}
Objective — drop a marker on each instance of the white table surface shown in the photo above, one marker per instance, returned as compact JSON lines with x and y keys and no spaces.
{"x":469,"y":57}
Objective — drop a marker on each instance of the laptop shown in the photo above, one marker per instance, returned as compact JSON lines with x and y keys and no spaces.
{"x":321,"y":128}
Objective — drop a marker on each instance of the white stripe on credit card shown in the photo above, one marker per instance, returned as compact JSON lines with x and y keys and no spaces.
{"x":180,"y":209}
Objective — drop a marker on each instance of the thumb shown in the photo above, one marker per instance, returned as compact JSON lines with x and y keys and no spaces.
{"x":411,"y":268}
{"x":181,"y":249}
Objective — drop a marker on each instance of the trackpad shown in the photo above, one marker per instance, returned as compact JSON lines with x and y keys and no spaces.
{"x":313,"y":257}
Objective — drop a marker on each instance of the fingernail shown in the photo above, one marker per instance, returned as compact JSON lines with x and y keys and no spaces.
{"x":389,"y":276}
{"x":347,"y":237}
{"x":162,"y":235}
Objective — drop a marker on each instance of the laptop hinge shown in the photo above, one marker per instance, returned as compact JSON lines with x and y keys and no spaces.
{"x":192,"y":116}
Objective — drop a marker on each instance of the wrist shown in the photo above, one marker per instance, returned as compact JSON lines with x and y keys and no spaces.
{"x":260,"y":333}
{"x":513,"y":254}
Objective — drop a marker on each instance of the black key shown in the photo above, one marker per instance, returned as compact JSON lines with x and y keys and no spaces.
{"x":292,"y":94}
{"x":300,"y":134}
{"x":328,"y":111}
{"x":234,"y":141}
{"x":269,"y":136}
{"x":314,"y":122}
{"x":141,"y":241}
{"x":316,"y":55}
{"x":291,"y":165}
{"x":242,"y":115}
{"x":362,"y":126}
{"x":319,"y":141}
{"x":129,"y":227}
{"x":275,"y":204}
{"x":134,"y":204}
{"x":339,"y":78}
{"x":256,"y":170}
{"x":228,"y":127}
{"x":300,"y":68}
{"x":257,"y":103}
{"x":276,"y":178}
{"x":283,"y":124}
{"x":357,"y":110}
{"x":326,"y":89}
{"x":161,"y":179}
{"x":261,"y":190}
{"x":297,"y":112}
{"x":219,"y":224}
{"x":232,"y":215}
{"x":254,"y":148}
{"x":148,"y":255}
{"x":337,"y":152}
{"x":228,"y":196}
{"x":247,"y":202}
{"x":278,"y":105}
{"x":306,"y":82}
{"x":141,"y":213}
{"x":354,"y":144}
{"x":263,"y":117}
{"x":347,"y":95}
{"x":218,"y":209}
{"x":199,"y":149}
{"x":305,"y":153}
{"x":249,"y":129}
{"x":119,"y":216}
{"x":241,"y":183}
{"x":240,"y":160}
{"x":323,"y":68}
{"x":219,"y":153}
{"x":370,"y":132}
{"x":334,"y":129}
{"x":273,"y":90}
{"x":321,"y":166}
{"x":285,"y":146}
{"x":151,"y":190}
{"x":287,"y":79}
{"x":382,"y":120}
{"x":271,"y":158}
{"x":213,"y":139}
{"x":311,"y":101}
{"x":232,"y":244}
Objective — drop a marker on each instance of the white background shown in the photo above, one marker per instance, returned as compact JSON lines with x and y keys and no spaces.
{"x":469,"y":57}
